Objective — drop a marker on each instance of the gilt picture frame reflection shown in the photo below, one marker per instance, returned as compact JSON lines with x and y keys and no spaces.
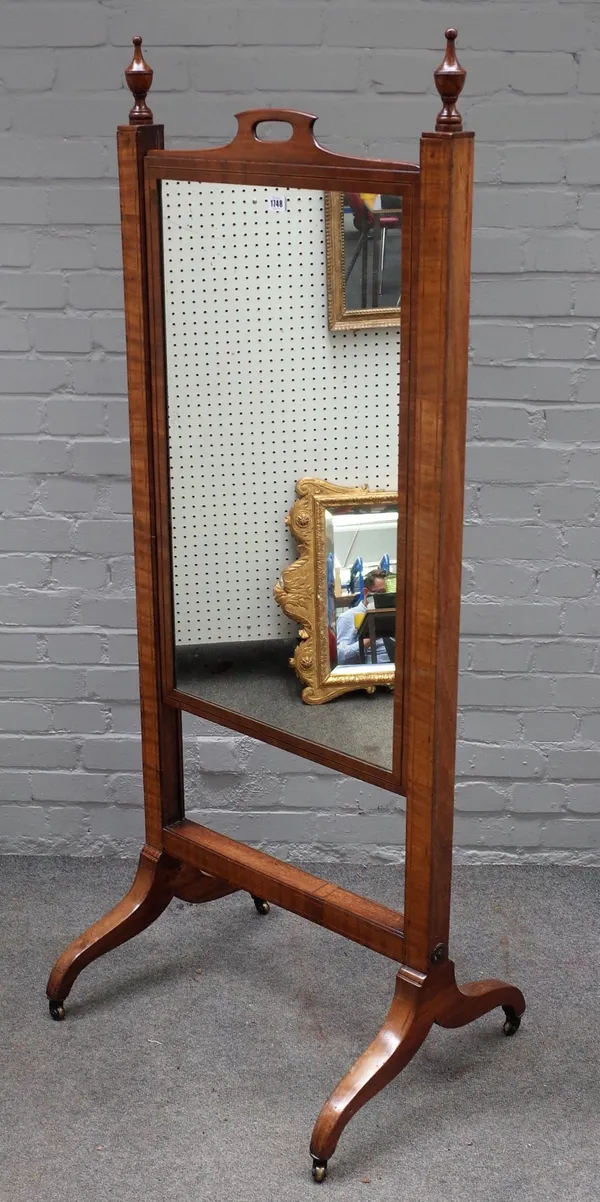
{"x":363,"y":233}
{"x":342,"y":589}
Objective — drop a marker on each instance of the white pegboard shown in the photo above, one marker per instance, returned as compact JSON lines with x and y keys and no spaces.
{"x":260,"y":393}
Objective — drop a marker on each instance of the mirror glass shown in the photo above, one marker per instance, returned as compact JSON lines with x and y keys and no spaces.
{"x":261,"y":394}
{"x":361,"y":588}
{"x":364,"y":240}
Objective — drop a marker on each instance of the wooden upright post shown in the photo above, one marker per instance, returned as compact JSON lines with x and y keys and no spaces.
{"x":161,"y":724}
{"x":435,"y":499}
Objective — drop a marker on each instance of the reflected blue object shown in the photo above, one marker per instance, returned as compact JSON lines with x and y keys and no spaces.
{"x":330,"y":590}
{"x":356,"y":579}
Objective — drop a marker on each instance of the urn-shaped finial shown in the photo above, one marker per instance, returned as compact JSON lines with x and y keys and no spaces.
{"x":139,"y":81}
{"x":449,"y":81}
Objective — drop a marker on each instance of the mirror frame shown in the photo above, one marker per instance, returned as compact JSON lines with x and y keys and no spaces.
{"x":434,"y":361}
{"x":300,"y":592}
{"x":338,"y":316}
{"x":297,"y":162}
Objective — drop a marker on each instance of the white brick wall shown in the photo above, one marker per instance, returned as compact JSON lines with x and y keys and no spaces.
{"x":530,"y":694}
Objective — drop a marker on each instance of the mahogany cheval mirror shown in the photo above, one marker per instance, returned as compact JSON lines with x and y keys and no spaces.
{"x":330,"y":631}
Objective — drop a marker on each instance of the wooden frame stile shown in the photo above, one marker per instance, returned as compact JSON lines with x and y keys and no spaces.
{"x":185,"y":860}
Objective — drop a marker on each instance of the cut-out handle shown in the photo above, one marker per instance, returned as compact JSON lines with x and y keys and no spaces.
{"x":301,"y":137}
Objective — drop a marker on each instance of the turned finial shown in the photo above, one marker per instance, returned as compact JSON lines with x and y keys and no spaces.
{"x":139,"y":81}
{"x":449,"y":81}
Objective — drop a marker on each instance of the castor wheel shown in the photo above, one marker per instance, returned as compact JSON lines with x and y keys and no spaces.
{"x":57,"y":1011}
{"x":261,"y":906}
{"x":512,"y":1021}
{"x":319,"y":1169}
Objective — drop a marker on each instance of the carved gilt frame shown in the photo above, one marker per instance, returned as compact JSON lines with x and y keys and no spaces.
{"x":301,"y":592}
{"x":338,"y":316}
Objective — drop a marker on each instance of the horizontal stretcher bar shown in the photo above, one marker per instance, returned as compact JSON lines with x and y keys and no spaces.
{"x":348,"y":914}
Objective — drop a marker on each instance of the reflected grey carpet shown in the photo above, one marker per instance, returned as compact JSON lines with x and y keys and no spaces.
{"x":255,"y":679}
{"x":194,"y":1060}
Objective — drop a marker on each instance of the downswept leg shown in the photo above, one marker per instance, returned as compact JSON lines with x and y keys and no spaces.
{"x":407,"y":1024}
{"x":158,"y":879}
{"x":465,"y":1003}
{"x":419,"y":1002}
{"x":150,"y":894}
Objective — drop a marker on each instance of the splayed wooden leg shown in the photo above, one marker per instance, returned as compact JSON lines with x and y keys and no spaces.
{"x":158,"y":879}
{"x":150,"y":894}
{"x":419,"y":1002}
{"x":462,"y":1004}
{"x":408,"y":1022}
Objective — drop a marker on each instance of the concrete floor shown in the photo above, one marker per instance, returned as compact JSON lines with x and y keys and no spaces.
{"x":193,"y":1061}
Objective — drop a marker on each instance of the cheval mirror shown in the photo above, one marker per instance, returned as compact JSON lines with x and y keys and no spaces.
{"x":297,"y":336}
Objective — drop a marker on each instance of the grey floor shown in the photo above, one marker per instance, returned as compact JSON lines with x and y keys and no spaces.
{"x":193,"y":1061}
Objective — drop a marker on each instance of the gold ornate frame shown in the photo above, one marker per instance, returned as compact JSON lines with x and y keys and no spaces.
{"x":339,"y":317}
{"x":300,"y":591}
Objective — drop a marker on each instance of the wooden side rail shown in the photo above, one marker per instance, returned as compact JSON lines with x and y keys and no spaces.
{"x":348,"y":914}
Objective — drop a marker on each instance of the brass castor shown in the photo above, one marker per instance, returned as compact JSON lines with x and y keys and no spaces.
{"x":57,"y":1011}
{"x":512,"y":1021}
{"x":261,"y":906}
{"x":319,"y":1169}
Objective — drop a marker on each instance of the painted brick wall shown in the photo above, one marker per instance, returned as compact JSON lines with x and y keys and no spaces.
{"x":530,"y":689}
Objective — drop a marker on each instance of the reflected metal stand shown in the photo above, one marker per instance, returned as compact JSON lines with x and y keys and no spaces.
{"x":182,"y":859}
